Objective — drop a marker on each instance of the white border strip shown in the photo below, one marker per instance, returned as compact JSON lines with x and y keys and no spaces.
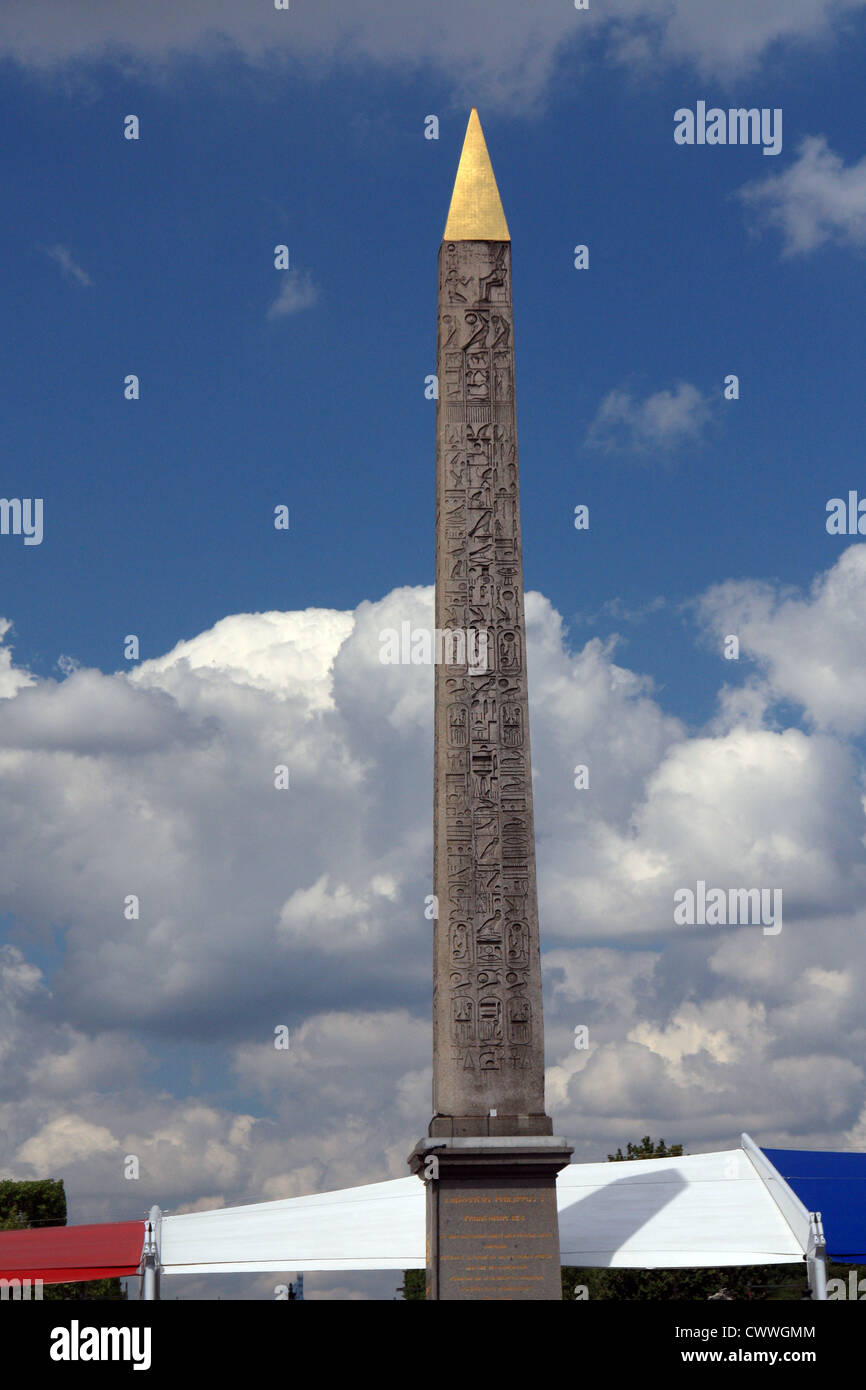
{"x":786,"y":1199}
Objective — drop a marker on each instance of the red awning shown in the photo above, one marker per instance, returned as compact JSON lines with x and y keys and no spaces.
{"x":56,"y":1254}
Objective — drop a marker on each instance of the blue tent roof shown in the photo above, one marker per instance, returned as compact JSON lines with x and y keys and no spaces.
{"x":835,"y":1185}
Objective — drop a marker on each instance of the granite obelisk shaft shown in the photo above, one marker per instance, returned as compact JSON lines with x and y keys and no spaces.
{"x":490,"y":1160}
{"x":488,"y":1039}
{"x":487,"y":1012}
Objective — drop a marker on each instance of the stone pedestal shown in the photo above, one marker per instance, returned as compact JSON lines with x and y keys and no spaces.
{"x":492,"y":1229}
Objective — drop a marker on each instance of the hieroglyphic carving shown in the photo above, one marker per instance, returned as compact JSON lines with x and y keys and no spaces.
{"x":485,"y":870}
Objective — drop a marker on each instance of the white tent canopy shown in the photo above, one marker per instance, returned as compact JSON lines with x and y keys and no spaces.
{"x":380,"y":1226}
{"x":671,"y":1213}
{"x":727,"y":1208}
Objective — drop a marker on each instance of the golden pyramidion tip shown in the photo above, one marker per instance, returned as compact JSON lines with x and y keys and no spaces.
{"x":476,"y":212}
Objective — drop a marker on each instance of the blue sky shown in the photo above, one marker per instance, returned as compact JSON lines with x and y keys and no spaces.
{"x":158,"y":511}
{"x":707,"y":517}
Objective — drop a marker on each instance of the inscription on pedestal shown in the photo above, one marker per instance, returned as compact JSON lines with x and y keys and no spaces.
{"x":498,"y":1242}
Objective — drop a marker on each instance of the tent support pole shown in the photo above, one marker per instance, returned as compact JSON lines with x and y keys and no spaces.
{"x":818,"y":1277}
{"x":150,"y":1256}
{"x":816,"y":1258}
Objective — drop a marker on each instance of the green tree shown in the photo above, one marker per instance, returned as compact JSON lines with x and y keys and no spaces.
{"x":646,"y":1149}
{"x":26,"y":1205}
{"x":414,"y":1284}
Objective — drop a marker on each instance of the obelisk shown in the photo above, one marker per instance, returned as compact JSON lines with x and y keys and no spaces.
{"x":490,"y":1160}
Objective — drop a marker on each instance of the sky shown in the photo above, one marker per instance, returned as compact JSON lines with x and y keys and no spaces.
{"x":153,"y":775}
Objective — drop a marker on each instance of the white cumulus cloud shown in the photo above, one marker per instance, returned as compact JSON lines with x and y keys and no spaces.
{"x":266,"y":913}
{"x":818,"y":200}
{"x":660,"y":422}
{"x":512,"y":59}
{"x":297,"y":292}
